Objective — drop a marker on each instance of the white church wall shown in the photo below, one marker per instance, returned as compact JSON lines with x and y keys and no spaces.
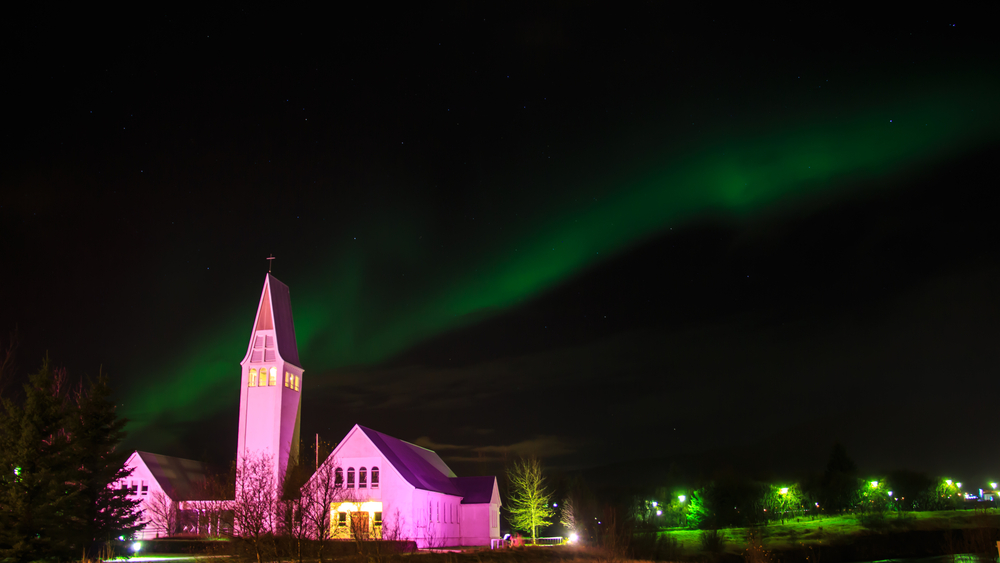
{"x":475,"y":524}
{"x":143,"y":486}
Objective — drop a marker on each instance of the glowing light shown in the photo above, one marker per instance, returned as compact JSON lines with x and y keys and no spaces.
{"x":556,"y":505}
{"x":947,"y":481}
{"x":654,"y":504}
{"x":682,"y":498}
{"x":784,"y":490}
{"x":573,"y":538}
{"x":890,"y":493}
{"x":136,"y":546}
{"x":874,"y":484}
{"x":993,"y":485}
{"x":959,"y":485}
{"x":659,"y":513}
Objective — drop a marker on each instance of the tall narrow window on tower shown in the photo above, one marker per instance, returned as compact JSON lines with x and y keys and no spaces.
{"x":362,"y":478}
{"x":375,"y":477}
{"x":253,"y":377}
{"x":274,"y":375}
{"x":350,"y":477}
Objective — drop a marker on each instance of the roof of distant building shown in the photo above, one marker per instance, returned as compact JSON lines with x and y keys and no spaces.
{"x":180,"y":478}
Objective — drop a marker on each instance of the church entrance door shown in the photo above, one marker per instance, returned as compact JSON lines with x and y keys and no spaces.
{"x":359,"y":525}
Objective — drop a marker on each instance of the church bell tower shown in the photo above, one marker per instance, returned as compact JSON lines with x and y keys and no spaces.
{"x":271,"y":383}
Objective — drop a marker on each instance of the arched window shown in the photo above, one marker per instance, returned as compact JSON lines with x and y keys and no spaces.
{"x":338,"y":477}
{"x":362,"y":478}
{"x":350,"y":477}
{"x":253,"y":377}
{"x":274,"y":375}
{"x":375,"y":477}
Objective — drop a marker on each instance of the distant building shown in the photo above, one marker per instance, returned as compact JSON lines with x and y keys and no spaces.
{"x":389,"y":482}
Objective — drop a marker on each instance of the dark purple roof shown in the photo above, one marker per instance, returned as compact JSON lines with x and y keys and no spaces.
{"x":284,"y":328}
{"x":421,"y":467}
{"x":180,"y":478}
{"x":475,"y":490}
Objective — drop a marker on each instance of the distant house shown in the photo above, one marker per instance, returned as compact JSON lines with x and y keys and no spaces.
{"x":163,"y":483}
{"x":389,"y":482}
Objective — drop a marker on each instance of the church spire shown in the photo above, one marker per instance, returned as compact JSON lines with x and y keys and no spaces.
{"x":270,"y":398}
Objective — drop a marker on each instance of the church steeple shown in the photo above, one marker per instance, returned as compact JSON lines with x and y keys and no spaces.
{"x":271,"y":382}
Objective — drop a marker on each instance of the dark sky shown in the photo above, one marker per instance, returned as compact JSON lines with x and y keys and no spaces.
{"x":589,"y":233}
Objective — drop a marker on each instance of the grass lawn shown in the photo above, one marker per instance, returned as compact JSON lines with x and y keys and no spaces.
{"x":825,"y":529}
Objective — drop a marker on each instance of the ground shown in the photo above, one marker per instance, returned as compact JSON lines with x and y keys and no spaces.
{"x":826,"y":529}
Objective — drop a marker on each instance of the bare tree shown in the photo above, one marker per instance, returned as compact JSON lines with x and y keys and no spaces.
{"x":379,"y":541}
{"x":254,"y":508}
{"x":317,"y":496}
{"x":530,"y":503}
{"x":215,"y":511}
{"x":162,"y":513}
{"x":296,"y":528}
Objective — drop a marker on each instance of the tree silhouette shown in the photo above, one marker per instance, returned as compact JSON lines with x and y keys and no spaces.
{"x":530,"y":503}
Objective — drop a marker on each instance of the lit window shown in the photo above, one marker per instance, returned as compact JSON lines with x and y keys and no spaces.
{"x":338,"y":477}
{"x":274,"y":376}
{"x":253,"y":377}
{"x":374,"y":477}
{"x":350,"y":477}
{"x":297,"y":378}
{"x":286,"y":379}
{"x":362,"y":478}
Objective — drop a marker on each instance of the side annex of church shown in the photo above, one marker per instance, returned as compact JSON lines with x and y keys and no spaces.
{"x":383,"y":486}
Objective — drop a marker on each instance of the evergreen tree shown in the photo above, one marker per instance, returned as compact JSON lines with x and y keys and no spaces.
{"x":840,"y":481}
{"x":95,"y":433}
{"x":39,"y":501}
{"x":530,"y":503}
{"x":57,"y":461}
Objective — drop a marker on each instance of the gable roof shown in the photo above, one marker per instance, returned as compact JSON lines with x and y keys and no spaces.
{"x":274,"y":311}
{"x":476,"y":490}
{"x":180,"y":478}
{"x":420,"y":467}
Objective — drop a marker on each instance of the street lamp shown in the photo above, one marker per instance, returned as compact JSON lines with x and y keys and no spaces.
{"x":682,"y":498}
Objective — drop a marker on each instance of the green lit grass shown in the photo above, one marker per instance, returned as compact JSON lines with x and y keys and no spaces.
{"x":831,"y":529}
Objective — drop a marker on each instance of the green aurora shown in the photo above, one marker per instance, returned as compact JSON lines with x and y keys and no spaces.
{"x":342,"y":319}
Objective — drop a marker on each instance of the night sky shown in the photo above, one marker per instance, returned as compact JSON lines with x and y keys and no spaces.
{"x":589,"y":233}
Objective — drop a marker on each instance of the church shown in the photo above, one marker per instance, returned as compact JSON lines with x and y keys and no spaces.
{"x":384,"y":486}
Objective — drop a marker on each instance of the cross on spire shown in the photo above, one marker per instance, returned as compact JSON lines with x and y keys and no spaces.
{"x":270,"y":262}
